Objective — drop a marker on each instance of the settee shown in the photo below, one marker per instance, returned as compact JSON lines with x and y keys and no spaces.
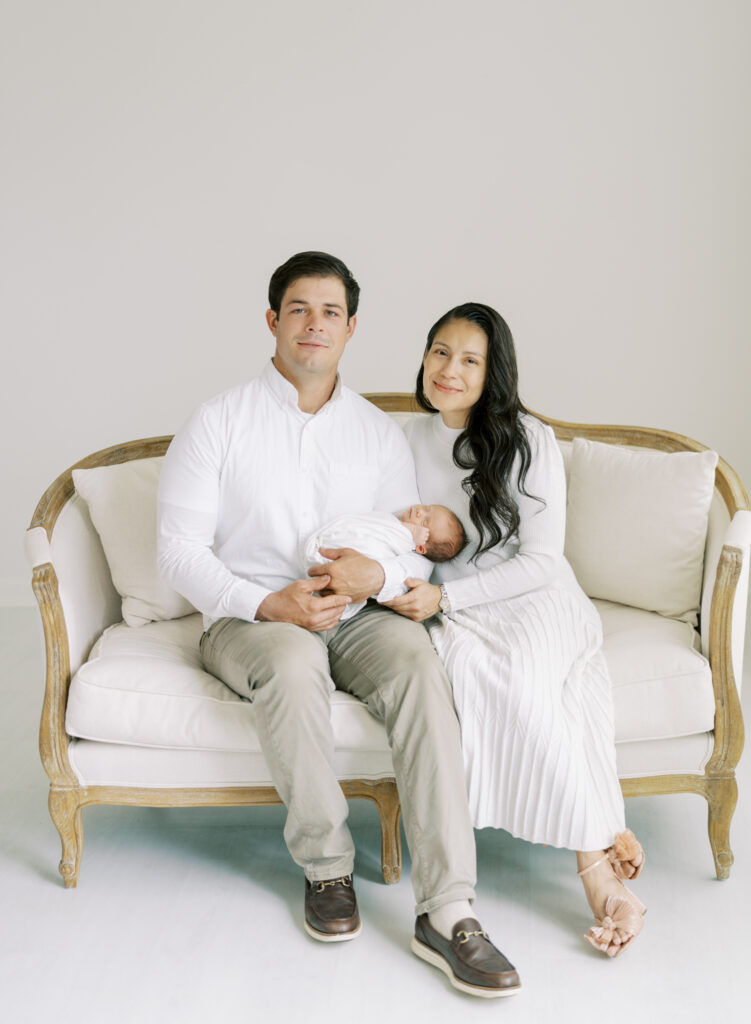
{"x":130,"y":717}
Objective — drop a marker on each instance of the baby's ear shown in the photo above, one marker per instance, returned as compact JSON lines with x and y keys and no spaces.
{"x":421,"y":549}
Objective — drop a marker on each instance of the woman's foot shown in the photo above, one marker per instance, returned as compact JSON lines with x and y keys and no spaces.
{"x":599,"y":880}
{"x":618,"y":912}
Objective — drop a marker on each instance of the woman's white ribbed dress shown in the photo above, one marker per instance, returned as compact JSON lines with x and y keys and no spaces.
{"x":522,"y":648}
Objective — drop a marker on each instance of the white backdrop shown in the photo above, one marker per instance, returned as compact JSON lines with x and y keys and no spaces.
{"x":582,"y":165}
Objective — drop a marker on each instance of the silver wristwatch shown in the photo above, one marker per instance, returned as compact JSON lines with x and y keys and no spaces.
{"x":444,"y":604}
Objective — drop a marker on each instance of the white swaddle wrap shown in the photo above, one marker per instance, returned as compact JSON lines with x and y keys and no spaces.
{"x":377,"y":535}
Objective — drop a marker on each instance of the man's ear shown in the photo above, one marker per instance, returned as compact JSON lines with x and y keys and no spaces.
{"x":272,"y":320}
{"x":351,"y":324}
{"x":421,"y":549}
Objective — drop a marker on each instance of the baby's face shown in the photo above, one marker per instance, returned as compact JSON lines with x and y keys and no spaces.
{"x":418,"y":514}
{"x":425,"y":521}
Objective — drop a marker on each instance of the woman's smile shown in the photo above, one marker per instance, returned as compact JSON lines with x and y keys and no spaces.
{"x":446,"y":387}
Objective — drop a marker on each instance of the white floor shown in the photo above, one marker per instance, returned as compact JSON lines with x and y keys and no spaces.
{"x":195,"y":915}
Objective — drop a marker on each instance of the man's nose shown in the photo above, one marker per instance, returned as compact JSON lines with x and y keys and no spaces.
{"x":315,"y":322}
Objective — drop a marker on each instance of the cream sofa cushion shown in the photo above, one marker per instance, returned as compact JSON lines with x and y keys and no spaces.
{"x":146,"y":687}
{"x":662,"y":684}
{"x":637,"y":523}
{"x":122,"y":505}
{"x":117,"y":764}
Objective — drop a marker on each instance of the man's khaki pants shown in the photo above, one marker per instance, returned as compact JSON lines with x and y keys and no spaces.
{"x":388,"y":662}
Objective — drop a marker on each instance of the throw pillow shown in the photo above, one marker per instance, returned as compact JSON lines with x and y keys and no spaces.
{"x":637,"y":524}
{"x":122,"y":505}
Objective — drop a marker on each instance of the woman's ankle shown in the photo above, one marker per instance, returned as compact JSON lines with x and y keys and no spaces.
{"x":586,"y":859}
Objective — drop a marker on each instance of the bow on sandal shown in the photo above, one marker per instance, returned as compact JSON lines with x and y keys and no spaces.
{"x":624,"y":915}
{"x":626,"y":855}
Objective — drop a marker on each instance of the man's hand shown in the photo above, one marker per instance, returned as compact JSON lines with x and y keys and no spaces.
{"x":420,"y":602}
{"x":298,"y":604}
{"x":350,"y":574}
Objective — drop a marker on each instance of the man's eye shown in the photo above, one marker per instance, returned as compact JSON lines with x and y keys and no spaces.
{"x":332,"y":312}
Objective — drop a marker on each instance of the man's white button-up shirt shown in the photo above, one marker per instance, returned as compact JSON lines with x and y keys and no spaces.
{"x":250,"y":477}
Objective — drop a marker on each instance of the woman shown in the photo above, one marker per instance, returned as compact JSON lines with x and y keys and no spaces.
{"x":520,"y":640}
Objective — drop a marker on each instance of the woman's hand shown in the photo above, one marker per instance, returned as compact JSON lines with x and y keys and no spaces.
{"x":420,"y":602}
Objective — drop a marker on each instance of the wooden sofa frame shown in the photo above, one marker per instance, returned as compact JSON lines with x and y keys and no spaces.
{"x":67,"y":796}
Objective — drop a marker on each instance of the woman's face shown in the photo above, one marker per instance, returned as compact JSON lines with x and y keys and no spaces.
{"x":454,"y":370}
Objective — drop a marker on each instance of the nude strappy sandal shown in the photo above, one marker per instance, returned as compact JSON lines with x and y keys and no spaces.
{"x":623,"y":918}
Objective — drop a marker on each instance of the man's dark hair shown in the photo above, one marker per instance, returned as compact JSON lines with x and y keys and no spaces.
{"x":312,"y":264}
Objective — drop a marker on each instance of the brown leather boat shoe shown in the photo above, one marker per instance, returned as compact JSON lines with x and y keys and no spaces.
{"x":470,"y":959}
{"x":331,"y":913}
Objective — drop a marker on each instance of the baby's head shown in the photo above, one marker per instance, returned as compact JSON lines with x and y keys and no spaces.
{"x":438,"y":533}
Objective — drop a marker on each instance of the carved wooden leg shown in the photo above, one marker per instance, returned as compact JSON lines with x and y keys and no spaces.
{"x":65,"y":811}
{"x":722,"y":796}
{"x":389,"y":811}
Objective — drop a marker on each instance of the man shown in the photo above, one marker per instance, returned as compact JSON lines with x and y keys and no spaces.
{"x":248,"y":478}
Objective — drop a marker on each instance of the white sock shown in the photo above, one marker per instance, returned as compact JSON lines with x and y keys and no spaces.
{"x":444,"y":918}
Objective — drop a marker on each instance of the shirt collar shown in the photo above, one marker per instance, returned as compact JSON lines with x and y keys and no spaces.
{"x":286,"y":393}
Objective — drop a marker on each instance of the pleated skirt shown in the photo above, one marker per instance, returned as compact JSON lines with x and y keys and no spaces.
{"x":533,"y":695}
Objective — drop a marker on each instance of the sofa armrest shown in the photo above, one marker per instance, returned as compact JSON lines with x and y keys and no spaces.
{"x":76,"y":599}
{"x":53,"y":740}
{"x":84,"y":587}
{"x":726,"y":637}
{"x":726,"y":597}
{"x":74,"y":590}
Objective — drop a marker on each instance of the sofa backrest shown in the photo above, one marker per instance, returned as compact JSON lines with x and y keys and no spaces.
{"x":88,"y":597}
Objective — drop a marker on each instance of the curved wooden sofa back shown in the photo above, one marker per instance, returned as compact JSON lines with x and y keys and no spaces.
{"x":53,"y":739}
{"x":727,"y":481}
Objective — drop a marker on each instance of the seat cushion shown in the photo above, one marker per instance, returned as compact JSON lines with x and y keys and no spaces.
{"x":146,"y":687}
{"x":662,"y":684}
{"x":120,"y":764}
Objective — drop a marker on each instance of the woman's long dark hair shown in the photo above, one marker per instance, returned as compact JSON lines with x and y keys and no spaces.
{"x":494,"y":434}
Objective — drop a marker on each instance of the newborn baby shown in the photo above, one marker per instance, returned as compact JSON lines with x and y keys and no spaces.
{"x":431,"y":530}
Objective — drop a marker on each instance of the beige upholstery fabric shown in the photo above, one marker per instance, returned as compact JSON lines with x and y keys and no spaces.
{"x":122,"y":506}
{"x":147,"y":687}
{"x":116,"y":764}
{"x":637,"y":524}
{"x":662,"y":684}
